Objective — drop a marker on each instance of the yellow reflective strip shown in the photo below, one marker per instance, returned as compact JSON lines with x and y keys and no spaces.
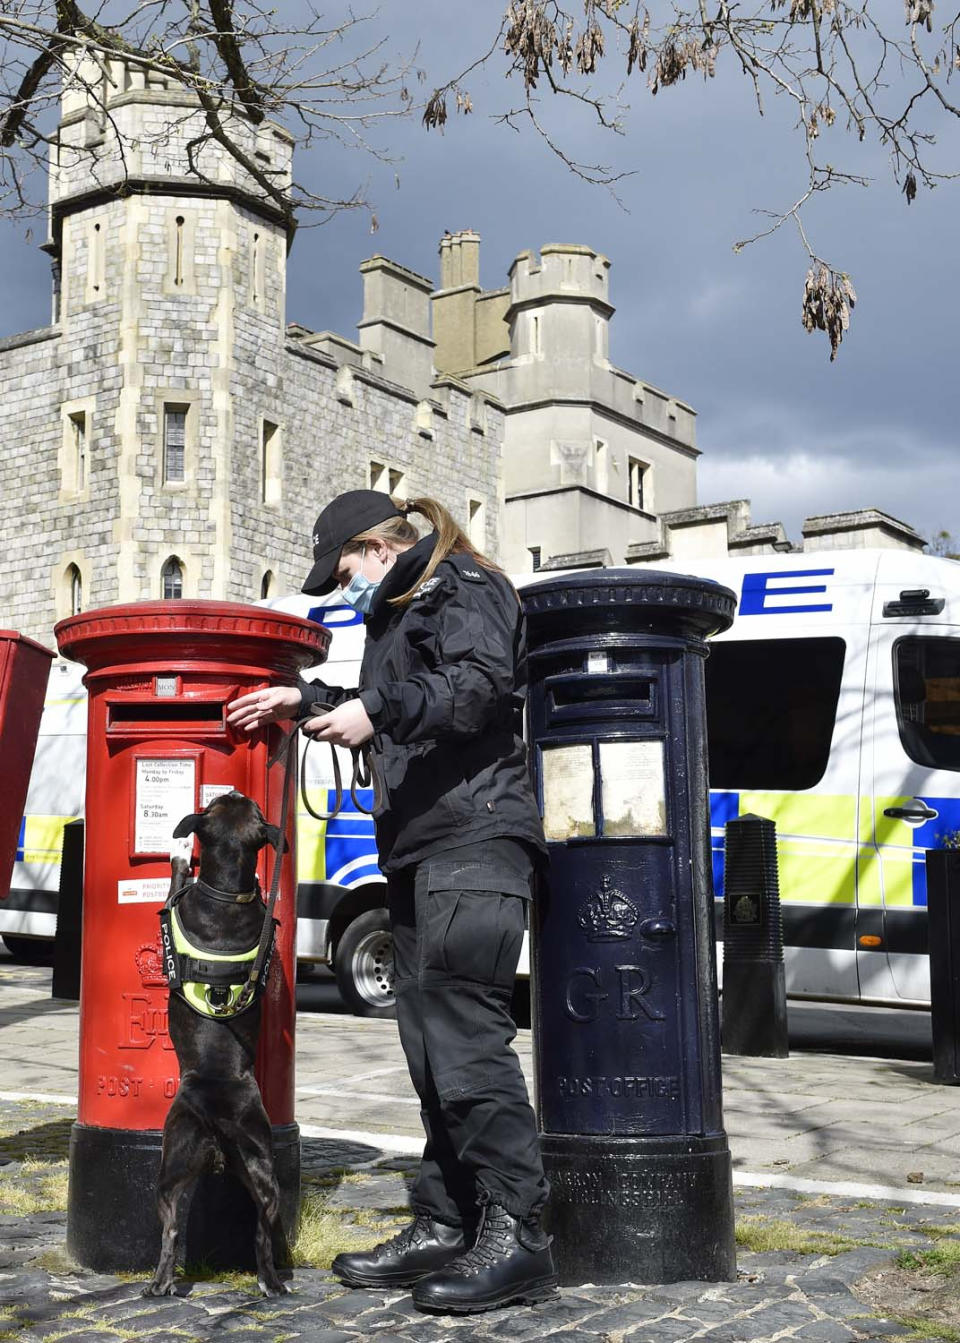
{"x":829,"y":815}
{"x":897,"y":878}
{"x":869,"y":879}
{"x":815,"y":844}
{"x":43,"y":838}
{"x":311,"y":847}
{"x":813,"y":877}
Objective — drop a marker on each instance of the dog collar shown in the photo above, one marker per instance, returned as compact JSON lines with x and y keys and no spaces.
{"x":229,"y":897}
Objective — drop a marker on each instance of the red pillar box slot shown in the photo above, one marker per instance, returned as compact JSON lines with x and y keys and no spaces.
{"x":24,"y":669}
{"x":160,"y":675}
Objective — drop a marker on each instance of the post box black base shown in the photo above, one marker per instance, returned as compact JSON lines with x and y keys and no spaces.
{"x":69,"y":934}
{"x":753,"y":1009}
{"x":645,"y":1210}
{"x":943,"y":922}
{"x":112,"y":1222}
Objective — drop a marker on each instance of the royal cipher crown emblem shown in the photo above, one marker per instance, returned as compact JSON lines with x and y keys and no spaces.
{"x":149,"y":959}
{"x":607,"y":916}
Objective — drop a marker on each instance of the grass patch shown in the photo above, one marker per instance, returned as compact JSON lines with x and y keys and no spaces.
{"x":921,"y":1328}
{"x":938,"y":1232}
{"x":234,"y":1279}
{"x":57,"y":1260}
{"x":45,"y":1142}
{"x":38,"y":1186}
{"x":326,"y":1232}
{"x":763,"y":1234}
{"x":9,"y":1315}
{"x":942,"y":1258}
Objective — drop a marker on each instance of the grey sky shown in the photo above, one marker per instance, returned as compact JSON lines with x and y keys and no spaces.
{"x":777,"y":422}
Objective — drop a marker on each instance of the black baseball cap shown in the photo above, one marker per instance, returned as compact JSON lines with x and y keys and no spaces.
{"x":348,"y":515}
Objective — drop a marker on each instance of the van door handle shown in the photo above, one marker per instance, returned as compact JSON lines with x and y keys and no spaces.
{"x":915,"y":815}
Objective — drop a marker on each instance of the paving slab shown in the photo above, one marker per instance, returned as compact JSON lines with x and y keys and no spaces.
{"x":809,"y":1115}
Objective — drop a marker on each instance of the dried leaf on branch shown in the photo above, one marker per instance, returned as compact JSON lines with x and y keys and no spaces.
{"x":828,"y":299}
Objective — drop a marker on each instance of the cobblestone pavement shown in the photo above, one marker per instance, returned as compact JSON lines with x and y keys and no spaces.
{"x":846,"y":1122}
{"x":798,"y":1289}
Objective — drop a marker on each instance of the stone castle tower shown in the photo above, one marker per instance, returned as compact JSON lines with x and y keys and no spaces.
{"x":170,"y":291}
{"x":591,"y":454}
{"x":166,"y":435}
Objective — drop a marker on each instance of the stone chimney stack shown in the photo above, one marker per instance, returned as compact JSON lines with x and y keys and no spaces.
{"x":468,"y":324}
{"x":396,"y":322}
{"x":460,"y":260}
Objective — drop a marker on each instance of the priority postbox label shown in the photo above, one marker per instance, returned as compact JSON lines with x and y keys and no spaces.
{"x":147,"y":891}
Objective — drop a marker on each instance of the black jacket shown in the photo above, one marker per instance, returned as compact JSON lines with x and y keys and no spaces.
{"x":443,"y":681}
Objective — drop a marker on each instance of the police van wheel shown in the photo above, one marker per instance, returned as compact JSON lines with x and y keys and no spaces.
{"x":364,"y":966}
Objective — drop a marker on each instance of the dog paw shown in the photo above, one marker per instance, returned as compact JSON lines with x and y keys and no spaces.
{"x":273,"y":1287}
{"x":181,"y":850}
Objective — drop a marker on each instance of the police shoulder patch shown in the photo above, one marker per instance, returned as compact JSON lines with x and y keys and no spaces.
{"x":427,"y":587}
{"x":468,"y":568}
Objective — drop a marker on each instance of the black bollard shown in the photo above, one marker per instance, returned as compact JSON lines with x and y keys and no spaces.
{"x":943,"y":924}
{"x":69,"y":935}
{"x":627,"y":1043}
{"x":754,"y":1006}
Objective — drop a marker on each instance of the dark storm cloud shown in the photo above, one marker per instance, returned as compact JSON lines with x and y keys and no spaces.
{"x":778,"y":422}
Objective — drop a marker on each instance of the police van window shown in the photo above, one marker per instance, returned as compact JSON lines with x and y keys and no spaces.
{"x":926,"y":678}
{"x":771,"y":709}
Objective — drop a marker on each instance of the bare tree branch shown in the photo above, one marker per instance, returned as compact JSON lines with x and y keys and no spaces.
{"x":850,"y":69}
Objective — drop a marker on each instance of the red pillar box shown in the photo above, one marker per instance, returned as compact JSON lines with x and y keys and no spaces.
{"x":160,"y":675}
{"x":24,"y":669}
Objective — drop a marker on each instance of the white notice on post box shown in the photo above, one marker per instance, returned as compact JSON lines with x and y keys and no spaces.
{"x":210,"y":791}
{"x":633,"y":788}
{"x":165,"y":792}
{"x":568,"y":792}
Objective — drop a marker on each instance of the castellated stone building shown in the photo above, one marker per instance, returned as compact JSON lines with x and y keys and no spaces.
{"x":169,"y":435}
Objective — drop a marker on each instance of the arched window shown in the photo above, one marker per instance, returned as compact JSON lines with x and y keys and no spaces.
{"x":171,"y":579}
{"x":266,"y":585}
{"x":75,"y":584}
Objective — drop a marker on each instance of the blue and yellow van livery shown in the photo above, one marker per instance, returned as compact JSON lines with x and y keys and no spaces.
{"x":833,"y":709}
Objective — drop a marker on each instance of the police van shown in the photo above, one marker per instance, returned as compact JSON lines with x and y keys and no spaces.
{"x":833,"y":709}
{"x":28,"y":911}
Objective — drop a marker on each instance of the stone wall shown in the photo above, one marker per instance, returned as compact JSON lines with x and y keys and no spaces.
{"x":31,"y":525}
{"x":443,"y":446}
{"x":178,"y":301}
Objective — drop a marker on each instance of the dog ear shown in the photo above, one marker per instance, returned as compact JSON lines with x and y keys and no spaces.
{"x":187,"y":826}
{"x":273,"y":836}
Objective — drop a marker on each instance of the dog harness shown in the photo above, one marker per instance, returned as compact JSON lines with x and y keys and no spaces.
{"x":211,"y":982}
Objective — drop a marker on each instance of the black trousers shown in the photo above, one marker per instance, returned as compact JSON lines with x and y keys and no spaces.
{"x":457,"y":931}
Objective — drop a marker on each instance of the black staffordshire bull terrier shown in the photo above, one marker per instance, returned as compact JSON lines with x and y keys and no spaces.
{"x":217,"y":1119}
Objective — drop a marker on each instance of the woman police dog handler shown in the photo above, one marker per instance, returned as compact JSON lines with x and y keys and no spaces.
{"x":458,"y":835}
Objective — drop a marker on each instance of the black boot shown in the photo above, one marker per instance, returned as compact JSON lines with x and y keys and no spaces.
{"x":422,"y":1247}
{"x":511,"y":1261}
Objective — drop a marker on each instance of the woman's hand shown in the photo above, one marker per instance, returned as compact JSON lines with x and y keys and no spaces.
{"x":262,"y":707}
{"x":346,"y":725}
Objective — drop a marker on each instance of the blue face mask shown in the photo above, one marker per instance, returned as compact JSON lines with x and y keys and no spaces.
{"x":361,"y":591}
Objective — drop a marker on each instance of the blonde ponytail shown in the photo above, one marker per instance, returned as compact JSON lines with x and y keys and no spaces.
{"x":451,"y":540}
